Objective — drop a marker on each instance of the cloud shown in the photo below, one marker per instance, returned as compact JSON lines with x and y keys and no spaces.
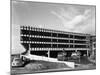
{"x":73,"y":19}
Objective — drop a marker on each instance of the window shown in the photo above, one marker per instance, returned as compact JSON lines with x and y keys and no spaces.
{"x":23,"y":38}
{"x":54,"y":45}
{"x":62,"y":41}
{"x":71,"y":36}
{"x":63,"y":35}
{"x":54,"y":34}
{"x":80,"y":37}
{"x":80,"y":46}
{"x":24,"y":32}
{"x":71,"y":41}
{"x":71,"y":46}
{"x":54,"y":40}
{"x":78,"y":41}
{"x":61,"y":46}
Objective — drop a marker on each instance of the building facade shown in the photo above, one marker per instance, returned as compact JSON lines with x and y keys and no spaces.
{"x":93,"y":44}
{"x":47,"y":42}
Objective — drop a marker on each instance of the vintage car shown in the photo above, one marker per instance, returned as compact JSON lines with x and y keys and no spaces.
{"x":61,"y":56}
{"x":75,"y":55}
{"x":17,"y":62}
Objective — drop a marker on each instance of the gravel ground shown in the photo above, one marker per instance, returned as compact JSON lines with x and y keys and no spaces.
{"x":43,"y":66}
{"x":23,"y":70}
{"x":39,"y":66}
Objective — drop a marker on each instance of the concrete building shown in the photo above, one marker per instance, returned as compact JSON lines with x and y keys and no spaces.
{"x":47,"y":42}
{"x":93,"y":44}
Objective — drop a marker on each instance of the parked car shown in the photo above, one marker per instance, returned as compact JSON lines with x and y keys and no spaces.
{"x":75,"y":55}
{"x":17,"y":62}
{"x":61,"y":56}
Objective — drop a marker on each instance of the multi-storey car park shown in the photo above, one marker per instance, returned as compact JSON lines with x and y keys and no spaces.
{"x":47,"y":42}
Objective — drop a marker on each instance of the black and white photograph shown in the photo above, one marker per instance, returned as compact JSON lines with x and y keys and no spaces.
{"x":52,"y":37}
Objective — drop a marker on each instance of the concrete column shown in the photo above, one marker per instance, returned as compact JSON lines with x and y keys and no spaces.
{"x":48,"y":53}
{"x":87,"y":52}
{"x":76,"y":50}
{"x":73,"y":36}
{"x":29,"y":49}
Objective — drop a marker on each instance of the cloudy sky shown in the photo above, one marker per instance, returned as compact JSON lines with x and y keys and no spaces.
{"x":65,"y":17}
